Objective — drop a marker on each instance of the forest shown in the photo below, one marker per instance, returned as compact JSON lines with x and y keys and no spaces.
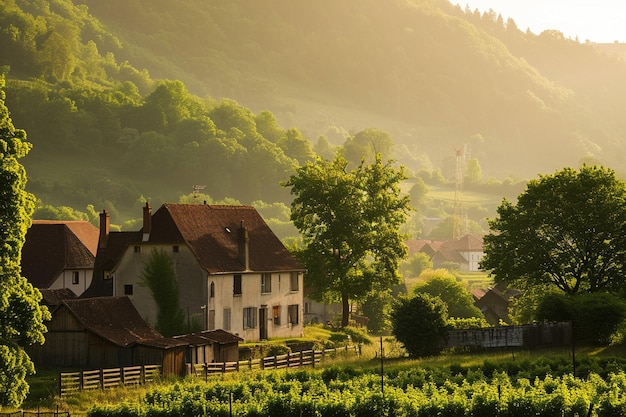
{"x":126,"y":102}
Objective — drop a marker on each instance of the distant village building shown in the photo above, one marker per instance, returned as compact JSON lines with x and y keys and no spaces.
{"x":60,"y":254}
{"x":233,"y":272}
{"x":466,"y":252}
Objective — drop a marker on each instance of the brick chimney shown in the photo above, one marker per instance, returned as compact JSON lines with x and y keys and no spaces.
{"x":104,"y":229}
{"x":244,"y":239}
{"x":147,"y":221}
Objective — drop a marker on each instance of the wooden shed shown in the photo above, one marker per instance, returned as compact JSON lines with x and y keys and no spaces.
{"x":106,"y":332}
{"x":211,"y":346}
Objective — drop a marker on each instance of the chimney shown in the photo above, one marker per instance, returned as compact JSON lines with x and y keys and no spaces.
{"x":104,"y":229}
{"x":147,"y":221}
{"x":243,"y":246}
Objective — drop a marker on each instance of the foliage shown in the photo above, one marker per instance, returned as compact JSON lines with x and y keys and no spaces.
{"x":467,"y":323}
{"x":415,"y":264}
{"x":419,"y":323}
{"x":21,"y":316}
{"x":595,"y":316}
{"x":349,"y":221}
{"x":566,"y":230}
{"x":349,"y":391}
{"x":441,"y":283}
{"x":159,"y":276}
{"x":377,"y":308}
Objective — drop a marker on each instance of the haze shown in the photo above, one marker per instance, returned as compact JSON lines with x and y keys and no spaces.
{"x":596,"y":21}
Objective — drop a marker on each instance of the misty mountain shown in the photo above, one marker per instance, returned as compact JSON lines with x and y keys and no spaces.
{"x":433,"y":75}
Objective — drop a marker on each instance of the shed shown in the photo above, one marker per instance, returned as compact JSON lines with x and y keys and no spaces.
{"x":211,"y":346}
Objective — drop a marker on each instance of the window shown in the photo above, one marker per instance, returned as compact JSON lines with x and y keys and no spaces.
{"x":128,"y":289}
{"x":75,"y":277}
{"x":293,"y":314}
{"x":266,"y":282}
{"x":294,"y":281}
{"x":237,"y":284}
{"x":226,"y":323}
{"x":212,"y":290}
{"x":307,"y":308}
{"x":249,"y":318}
{"x":276,"y":315}
{"x":137,"y":249}
{"x":175,"y":249}
{"x":211,"y":323}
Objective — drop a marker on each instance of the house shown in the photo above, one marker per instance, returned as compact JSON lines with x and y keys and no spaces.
{"x":105,"y":332}
{"x":211,"y":346}
{"x":60,"y":254}
{"x":494,"y":303}
{"x":233,"y":272}
{"x":467,"y":251}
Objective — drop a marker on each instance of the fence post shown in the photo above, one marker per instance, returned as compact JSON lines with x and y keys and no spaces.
{"x":123,"y":375}
{"x":275,"y":362}
{"x":301,"y":359}
{"x":206,"y":372}
{"x":101,"y":378}
{"x":250,"y":363}
{"x":223,"y":367}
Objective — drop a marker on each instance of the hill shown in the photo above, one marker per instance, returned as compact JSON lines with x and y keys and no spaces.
{"x":261,"y":82}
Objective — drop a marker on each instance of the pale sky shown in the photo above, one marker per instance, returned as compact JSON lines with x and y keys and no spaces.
{"x":602,"y":21}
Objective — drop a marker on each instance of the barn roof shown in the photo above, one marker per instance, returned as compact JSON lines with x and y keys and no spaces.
{"x":212,"y":233}
{"x":54,"y":246}
{"x":54,"y":297}
{"x":116,"y":320}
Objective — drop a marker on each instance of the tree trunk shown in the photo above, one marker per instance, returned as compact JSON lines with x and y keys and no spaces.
{"x":345,"y":313}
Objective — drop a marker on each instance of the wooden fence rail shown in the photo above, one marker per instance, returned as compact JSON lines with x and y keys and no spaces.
{"x":291,"y":360}
{"x":71,"y":382}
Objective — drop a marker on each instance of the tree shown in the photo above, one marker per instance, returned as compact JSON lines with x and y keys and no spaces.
{"x":566,"y":230}
{"x":442,"y":284}
{"x":349,"y":221}
{"x":159,"y":277}
{"x":21,"y":316}
{"x":415,"y":264}
{"x":420,"y":323}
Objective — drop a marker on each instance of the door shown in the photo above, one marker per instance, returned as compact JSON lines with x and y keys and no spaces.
{"x":263,"y":323}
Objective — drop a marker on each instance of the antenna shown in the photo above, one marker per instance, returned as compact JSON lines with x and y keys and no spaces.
{"x":457,"y":230}
{"x":197,"y":189}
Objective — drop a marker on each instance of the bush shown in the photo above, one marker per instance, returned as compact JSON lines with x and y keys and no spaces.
{"x":419,"y":323}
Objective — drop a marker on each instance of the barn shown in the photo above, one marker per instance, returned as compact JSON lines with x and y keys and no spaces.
{"x":105,"y":332}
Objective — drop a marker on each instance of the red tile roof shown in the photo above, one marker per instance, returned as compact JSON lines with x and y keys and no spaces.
{"x":54,"y":246}
{"x":212,"y":233}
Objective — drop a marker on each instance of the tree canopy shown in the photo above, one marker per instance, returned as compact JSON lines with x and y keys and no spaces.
{"x":349,"y":221}
{"x":441,"y":283}
{"x":21,"y":316}
{"x":566,"y":230}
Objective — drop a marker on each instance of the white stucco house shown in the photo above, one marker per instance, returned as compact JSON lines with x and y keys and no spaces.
{"x":233,"y":272}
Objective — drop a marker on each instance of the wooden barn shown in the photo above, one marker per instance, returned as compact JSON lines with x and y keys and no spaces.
{"x":211,"y":346}
{"x":106,"y":332}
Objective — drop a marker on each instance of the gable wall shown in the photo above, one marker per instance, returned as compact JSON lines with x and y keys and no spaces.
{"x":64,"y":280}
{"x":191,"y":280}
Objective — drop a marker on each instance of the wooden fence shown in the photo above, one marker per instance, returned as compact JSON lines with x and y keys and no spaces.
{"x":71,"y":382}
{"x":38,"y":413}
{"x":290,"y":360}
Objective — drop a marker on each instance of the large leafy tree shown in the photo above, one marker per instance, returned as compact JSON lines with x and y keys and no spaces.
{"x":567,"y":230}
{"x":349,"y":221}
{"x":21,"y":316}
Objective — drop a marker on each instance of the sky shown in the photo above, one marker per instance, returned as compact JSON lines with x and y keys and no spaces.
{"x":602,"y":21}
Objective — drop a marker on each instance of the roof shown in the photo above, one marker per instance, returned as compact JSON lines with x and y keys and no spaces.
{"x":116,"y":320}
{"x":468,"y":243}
{"x":209,"y":337}
{"x":212,"y":233}
{"x":107,"y":258}
{"x":54,"y":246}
{"x":53,"y":298}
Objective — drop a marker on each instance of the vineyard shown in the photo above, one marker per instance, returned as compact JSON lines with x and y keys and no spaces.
{"x":508,"y":389}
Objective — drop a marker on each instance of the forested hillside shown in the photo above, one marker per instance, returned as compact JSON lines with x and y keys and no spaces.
{"x":253,"y":85}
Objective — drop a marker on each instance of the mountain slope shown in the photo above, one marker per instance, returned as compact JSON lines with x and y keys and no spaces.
{"x":434,"y":76}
